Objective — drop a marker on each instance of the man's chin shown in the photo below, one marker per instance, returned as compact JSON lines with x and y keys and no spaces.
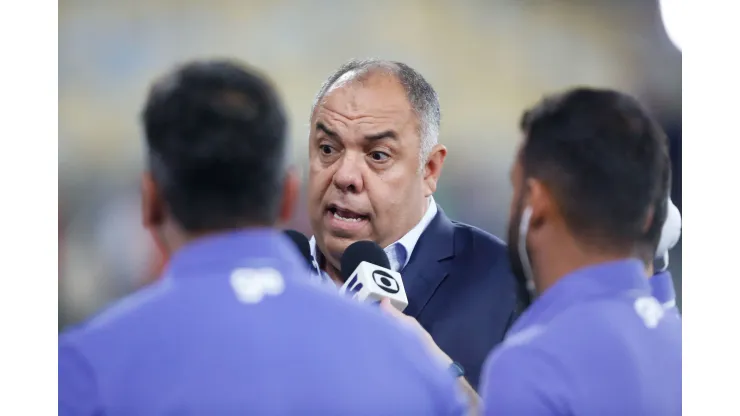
{"x":336,"y":243}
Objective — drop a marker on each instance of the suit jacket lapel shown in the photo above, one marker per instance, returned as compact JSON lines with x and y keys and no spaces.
{"x":429,"y":263}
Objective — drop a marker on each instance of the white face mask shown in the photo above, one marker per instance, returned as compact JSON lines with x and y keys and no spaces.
{"x":670,"y":234}
{"x":522,"y":250}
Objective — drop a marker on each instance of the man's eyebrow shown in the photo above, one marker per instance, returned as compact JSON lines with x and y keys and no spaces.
{"x":322,"y":127}
{"x":389,"y":134}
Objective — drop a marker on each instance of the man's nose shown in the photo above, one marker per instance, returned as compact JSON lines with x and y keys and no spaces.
{"x":348,"y":177}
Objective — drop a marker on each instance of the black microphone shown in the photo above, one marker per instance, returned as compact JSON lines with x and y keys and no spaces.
{"x":368,"y":275}
{"x":301,"y":243}
{"x":360,"y":251}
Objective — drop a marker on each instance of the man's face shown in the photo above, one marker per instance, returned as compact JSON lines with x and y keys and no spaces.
{"x":533,"y":206}
{"x":364,"y":177}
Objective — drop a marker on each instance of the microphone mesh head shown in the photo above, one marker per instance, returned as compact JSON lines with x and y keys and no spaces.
{"x":360,"y":251}
{"x":301,"y":243}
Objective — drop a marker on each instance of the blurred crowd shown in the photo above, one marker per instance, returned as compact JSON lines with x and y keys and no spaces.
{"x":487,"y":59}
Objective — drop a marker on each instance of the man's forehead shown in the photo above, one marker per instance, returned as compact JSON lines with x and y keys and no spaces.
{"x":343,"y":81}
{"x":376,"y":94}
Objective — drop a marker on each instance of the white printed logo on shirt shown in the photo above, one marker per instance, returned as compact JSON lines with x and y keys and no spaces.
{"x":649,"y":310}
{"x":252,"y":285}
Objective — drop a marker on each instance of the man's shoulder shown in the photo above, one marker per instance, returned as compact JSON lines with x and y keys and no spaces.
{"x":116,"y":318}
{"x":614,"y":325}
{"x":373,"y":344}
{"x":465,"y":238}
{"x":360,"y":325}
{"x":475,"y":238}
{"x":481,"y":254}
{"x":396,"y":356}
{"x":478,"y":259}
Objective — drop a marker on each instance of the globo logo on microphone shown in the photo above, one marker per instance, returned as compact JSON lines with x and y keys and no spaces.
{"x":353,"y":287}
{"x":370,"y":283}
{"x":385,"y":281}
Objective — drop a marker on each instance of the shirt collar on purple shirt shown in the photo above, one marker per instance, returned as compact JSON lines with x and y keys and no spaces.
{"x":232,"y":249}
{"x":614,"y":277}
{"x":663,"y":290}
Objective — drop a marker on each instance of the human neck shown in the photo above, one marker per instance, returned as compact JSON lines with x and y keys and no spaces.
{"x":649,"y":270}
{"x":175,"y":238}
{"x":563,"y":259}
{"x":334,"y":273}
{"x":412,"y":222}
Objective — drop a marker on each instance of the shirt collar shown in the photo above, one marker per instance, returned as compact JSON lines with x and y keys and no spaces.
{"x":399,"y":253}
{"x":663,"y":290}
{"x":405,"y":245}
{"x":230,"y":249}
{"x":614,"y":277}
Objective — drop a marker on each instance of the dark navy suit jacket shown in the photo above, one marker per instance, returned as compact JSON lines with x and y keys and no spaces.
{"x":460,"y":288}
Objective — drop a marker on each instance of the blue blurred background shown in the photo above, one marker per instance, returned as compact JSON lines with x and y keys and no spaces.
{"x":487,"y":59}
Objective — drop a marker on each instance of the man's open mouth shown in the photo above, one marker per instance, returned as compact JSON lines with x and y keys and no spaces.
{"x":345,"y":214}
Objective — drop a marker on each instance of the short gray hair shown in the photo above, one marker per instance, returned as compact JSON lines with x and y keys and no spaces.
{"x":420,"y":93}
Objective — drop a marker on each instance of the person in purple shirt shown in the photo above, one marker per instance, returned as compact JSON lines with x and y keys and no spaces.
{"x":235,"y":326}
{"x":589,"y":181}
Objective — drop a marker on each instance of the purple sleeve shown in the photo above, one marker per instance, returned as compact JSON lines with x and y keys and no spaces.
{"x":78,"y":395}
{"x":519,"y":380}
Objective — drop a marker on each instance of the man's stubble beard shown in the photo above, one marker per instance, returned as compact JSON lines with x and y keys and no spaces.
{"x":515,"y":261}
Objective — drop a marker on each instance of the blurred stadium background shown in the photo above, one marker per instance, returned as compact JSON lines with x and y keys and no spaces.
{"x":488,"y":59}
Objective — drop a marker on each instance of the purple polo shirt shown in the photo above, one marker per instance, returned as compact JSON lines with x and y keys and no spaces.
{"x":596,"y":343}
{"x":236,"y":328}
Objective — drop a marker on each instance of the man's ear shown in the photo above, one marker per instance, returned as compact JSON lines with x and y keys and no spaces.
{"x":540,"y":199}
{"x":152,"y":204}
{"x":291,"y":192}
{"x":153,"y":213}
{"x":433,"y":168}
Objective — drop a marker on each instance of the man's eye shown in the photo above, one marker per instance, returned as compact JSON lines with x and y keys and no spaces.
{"x":325,"y":149}
{"x":379,"y":156}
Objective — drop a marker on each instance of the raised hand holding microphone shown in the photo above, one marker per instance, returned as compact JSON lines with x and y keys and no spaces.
{"x":413,"y":325}
{"x":369,"y":278}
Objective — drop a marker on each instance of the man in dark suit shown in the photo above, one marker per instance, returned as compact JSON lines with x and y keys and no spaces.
{"x":374,"y":163}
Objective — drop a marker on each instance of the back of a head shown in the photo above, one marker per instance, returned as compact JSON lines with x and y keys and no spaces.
{"x":606,"y":162}
{"x":360,"y":251}
{"x":215,"y":133}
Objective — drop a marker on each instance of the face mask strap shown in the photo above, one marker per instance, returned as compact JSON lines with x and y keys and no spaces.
{"x":523,"y":255}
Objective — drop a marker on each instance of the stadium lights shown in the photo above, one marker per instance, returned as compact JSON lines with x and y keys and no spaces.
{"x":671,"y":12}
